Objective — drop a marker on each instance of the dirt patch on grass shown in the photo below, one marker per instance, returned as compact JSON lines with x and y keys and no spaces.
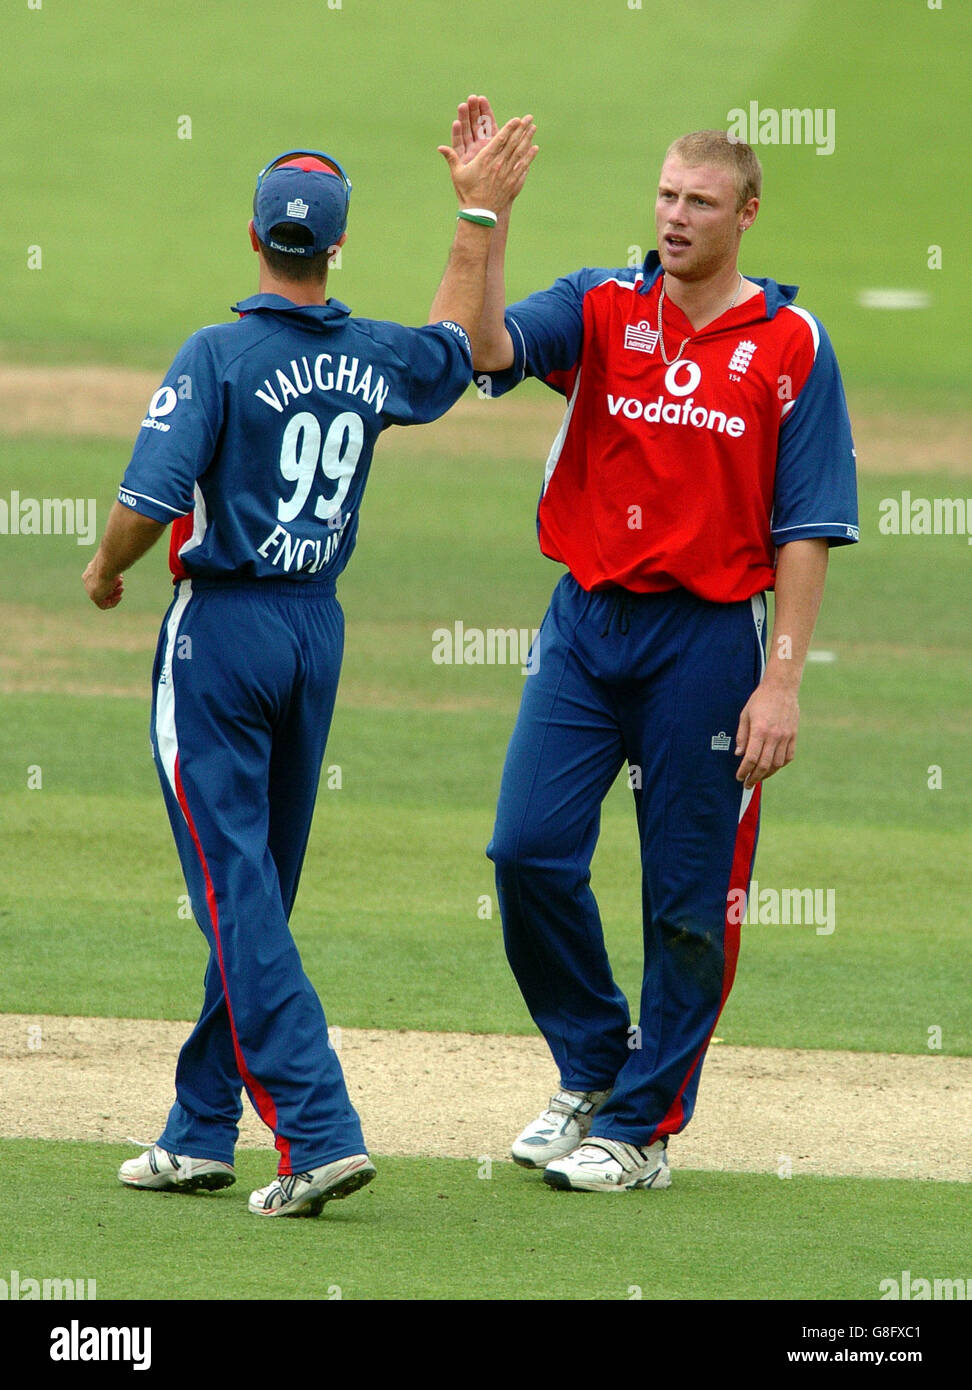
{"x":53,"y":653}
{"x":109,"y":403}
{"x":763,"y":1110}
{"x":105,"y":402}
{"x":50,"y":653}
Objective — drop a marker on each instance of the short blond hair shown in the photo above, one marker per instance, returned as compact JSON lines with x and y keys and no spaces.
{"x":715,"y":147}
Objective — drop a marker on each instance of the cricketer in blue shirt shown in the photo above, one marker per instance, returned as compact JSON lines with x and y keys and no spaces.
{"x":256,"y":448}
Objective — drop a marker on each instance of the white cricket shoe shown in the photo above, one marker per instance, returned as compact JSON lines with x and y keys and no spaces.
{"x":561,"y":1127}
{"x":304,"y":1194}
{"x":158,"y":1169}
{"x":610,"y":1165}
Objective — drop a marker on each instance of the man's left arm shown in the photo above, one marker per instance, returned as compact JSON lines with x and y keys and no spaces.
{"x":128,"y":535}
{"x":767,"y":733}
{"x":814,"y":509}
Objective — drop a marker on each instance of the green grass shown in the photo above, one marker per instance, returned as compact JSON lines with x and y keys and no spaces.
{"x":389,"y":928}
{"x":143,"y":233}
{"x":436,"y":1229}
{"x":143,"y":239}
{"x":390,"y":914}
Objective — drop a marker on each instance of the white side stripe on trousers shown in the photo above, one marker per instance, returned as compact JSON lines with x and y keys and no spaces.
{"x":165,"y":727}
{"x":758,"y":605}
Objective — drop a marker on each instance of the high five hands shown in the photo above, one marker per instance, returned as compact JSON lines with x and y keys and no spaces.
{"x":488,"y":166}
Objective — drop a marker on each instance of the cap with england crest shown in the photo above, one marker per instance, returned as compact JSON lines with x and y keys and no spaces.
{"x":307,"y":191}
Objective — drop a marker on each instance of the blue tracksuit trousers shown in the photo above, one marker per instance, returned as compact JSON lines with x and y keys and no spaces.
{"x":245,"y":681}
{"x":657,"y":681}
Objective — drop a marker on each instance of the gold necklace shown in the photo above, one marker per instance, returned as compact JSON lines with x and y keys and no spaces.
{"x":661,"y":335}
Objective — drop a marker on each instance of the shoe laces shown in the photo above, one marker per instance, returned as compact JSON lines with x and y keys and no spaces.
{"x":288,"y":1183}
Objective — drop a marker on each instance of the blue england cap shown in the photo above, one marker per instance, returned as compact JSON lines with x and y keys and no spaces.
{"x":304,"y":189}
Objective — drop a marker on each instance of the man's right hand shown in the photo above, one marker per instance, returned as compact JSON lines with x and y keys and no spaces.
{"x":489,"y":172}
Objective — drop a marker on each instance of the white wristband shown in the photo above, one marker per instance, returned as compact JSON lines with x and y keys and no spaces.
{"x":482,"y":216}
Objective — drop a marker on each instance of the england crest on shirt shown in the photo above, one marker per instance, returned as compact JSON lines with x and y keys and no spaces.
{"x":740,"y":359}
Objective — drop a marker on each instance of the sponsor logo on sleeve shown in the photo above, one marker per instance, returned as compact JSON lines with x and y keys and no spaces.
{"x":162,"y":403}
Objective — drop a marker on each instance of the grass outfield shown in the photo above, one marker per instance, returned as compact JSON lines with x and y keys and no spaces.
{"x":142,"y":233}
{"x":392,"y":938}
{"x":387,"y":918}
{"x":142,"y":239}
{"x":436,"y":1229}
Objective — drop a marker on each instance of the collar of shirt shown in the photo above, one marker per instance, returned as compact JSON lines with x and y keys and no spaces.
{"x":775,"y":296}
{"x":319,"y":315}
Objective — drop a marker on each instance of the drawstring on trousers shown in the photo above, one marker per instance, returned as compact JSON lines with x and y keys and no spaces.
{"x":621,"y":610}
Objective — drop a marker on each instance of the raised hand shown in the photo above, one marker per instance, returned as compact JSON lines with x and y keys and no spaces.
{"x":473,"y":129}
{"x":491,"y":175}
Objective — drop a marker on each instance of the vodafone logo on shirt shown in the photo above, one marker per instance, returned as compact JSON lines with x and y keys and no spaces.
{"x":683,"y":376}
{"x":162,"y":403}
{"x":681,"y":379}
